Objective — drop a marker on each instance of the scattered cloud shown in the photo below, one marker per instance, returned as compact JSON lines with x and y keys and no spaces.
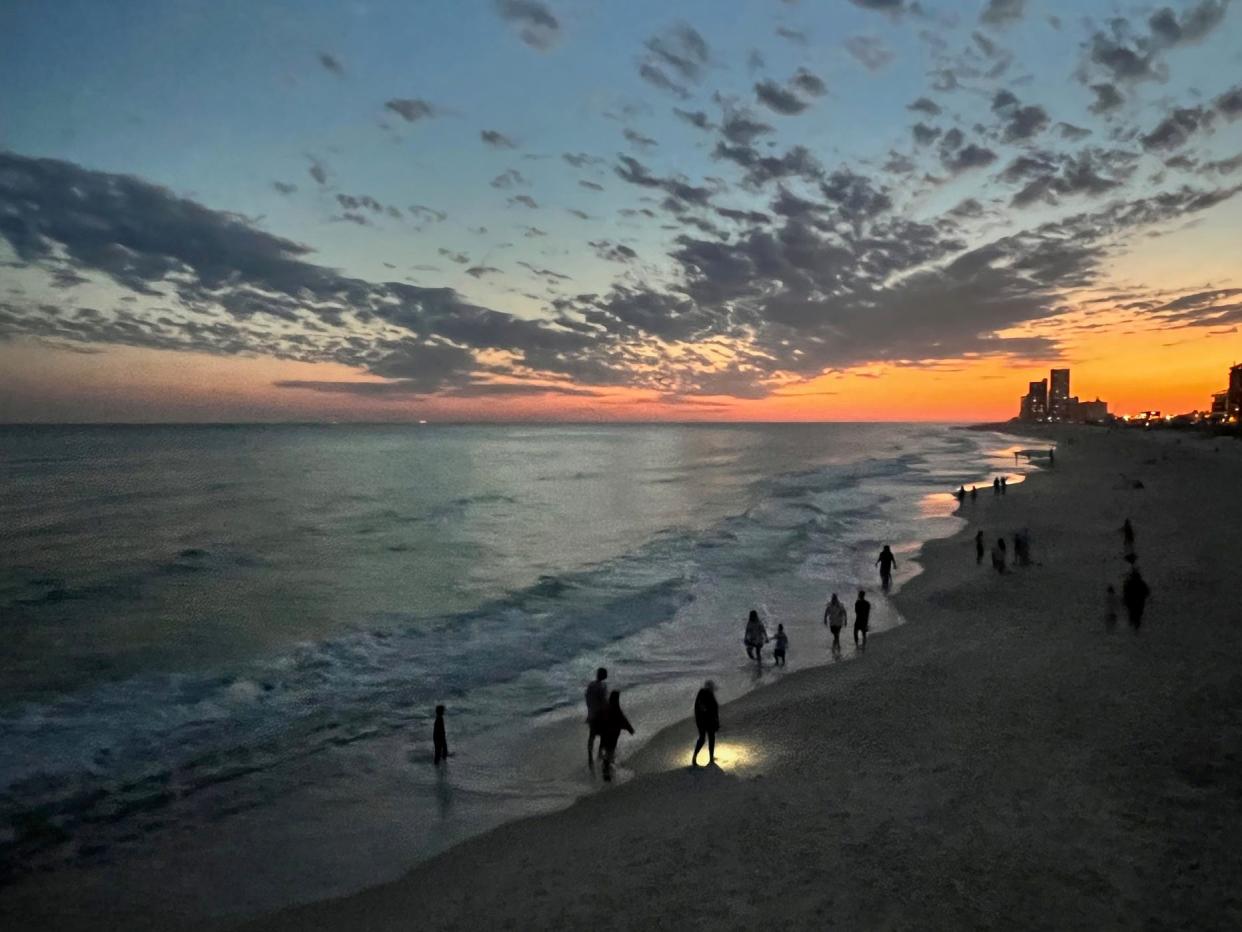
{"x":534,"y":22}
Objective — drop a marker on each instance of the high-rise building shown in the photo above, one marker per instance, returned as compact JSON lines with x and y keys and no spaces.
{"x":1058,"y":395}
{"x":1233,"y":396}
{"x":1034,"y":406}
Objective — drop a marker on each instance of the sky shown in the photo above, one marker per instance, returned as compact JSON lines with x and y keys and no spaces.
{"x":245,"y":210}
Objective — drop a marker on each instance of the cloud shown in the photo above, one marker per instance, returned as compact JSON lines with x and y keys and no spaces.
{"x":870,"y":51}
{"x":582,"y":159}
{"x":1107,"y":98}
{"x":411,"y":109}
{"x":1175,"y":130}
{"x":796,"y":36}
{"x":425,"y":215}
{"x":740,"y":128}
{"x":590,"y":185}
{"x":696,"y":118}
{"x":1002,"y":12}
{"x":925,"y":105}
{"x":882,"y":6}
{"x":536,"y":25}
{"x":523,"y":200}
{"x":496,"y":139}
{"x":777,"y":98}
{"x":808,"y":83}
{"x":318,"y":171}
{"x":613,"y":252}
{"x":638,"y":139}
{"x":331,"y":63}
{"x":682,"y":49}
{"x":284,"y":187}
{"x":656,"y":77}
{"x":509,"y":178}
{"x":1021,"y":122}
{"x":923,"y":134}
{"x":478,"y":271}
{"x":967,"y":157}
{"x":1229,"y":104}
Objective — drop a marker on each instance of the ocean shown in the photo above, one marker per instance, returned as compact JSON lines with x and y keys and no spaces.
{"x":224,"y":644}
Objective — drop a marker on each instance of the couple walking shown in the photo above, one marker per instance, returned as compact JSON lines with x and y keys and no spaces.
{"x":605,"y":721}
{"x":836,"y":618}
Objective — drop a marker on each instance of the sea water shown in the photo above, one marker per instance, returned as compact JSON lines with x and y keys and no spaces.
{"x":223,"y":645}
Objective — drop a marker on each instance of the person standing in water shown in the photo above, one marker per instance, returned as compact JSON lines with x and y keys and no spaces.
{"x":1134,"y":593}
{"x":438,"y":738}
{"x":862,"y":617}
{"x":782,"y":645}
{"x":613,"y":723}
{"x":756,"y":637}
{"x":834,"y":618}
{"x":978,"y":547}
{"x":596,"y":701}
{"x":707,"y":721}
{"x":886,"y":562}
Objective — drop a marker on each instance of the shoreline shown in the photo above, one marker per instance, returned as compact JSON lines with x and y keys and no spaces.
{"x":969,"y":774}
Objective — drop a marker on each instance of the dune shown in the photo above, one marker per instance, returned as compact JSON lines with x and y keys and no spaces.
{"x":1003,"y":759}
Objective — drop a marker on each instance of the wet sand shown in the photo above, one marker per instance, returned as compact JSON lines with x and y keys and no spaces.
{"x":1002,"y":759}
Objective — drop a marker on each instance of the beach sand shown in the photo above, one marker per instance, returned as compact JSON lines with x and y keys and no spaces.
{"x":1000,"y":760}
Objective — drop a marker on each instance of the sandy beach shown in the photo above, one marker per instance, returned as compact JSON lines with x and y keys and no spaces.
{"x":1003,"y":759}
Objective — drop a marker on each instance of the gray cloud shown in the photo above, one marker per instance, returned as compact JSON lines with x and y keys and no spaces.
{"x":509,"y":178}
{"x":496,"y":139}
{"x":869,"y":51}
{"x":808,"y":83}
{"x":331,"y":63}
{"x":284,"y":187}
{"x":1002,"y":12}
{"x":638,"y":139}
{"x":536,"y":25}
{"x":411,"y":109}
{"x":925,"y":105}
{"x":696,"y":118}
{"x":1175,"y":130}
{"x":777,"y":98}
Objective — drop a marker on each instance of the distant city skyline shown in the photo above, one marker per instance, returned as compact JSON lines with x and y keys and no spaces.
{"x":539,"y":210}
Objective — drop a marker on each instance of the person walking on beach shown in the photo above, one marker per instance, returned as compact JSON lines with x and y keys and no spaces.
{"x":596,"y":702}
{"x":1127,"y":536}
{"x":1052,"y":458}
{"x":1004,"y":481}
{"x":756,"y":637}
{"x":998,"y":555}
{"x":862,"y":617}
{"x":438,"y":738}
{"x":1134,"y":593}
{"x":612,"y":724}
{"x":834,"y":618}
{"x":886,"y":562}
{"x":782,"y":645}
{"x":996,"y":486}
{"x":707,"y":721}
{"x":978,"y":547}
{"x":960,"y":494}
{"x":974,"y":493}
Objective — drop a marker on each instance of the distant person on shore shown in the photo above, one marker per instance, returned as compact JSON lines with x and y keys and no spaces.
{"x":996,"y":486}
{"x":612,"y":724}
{"x":756,"y":637}
{"x":999,"y":555}
{"x":1022,"y":548}
{"x":596,"y":703}
{"x":834,"y":618}
{"x":1127,"y":536}
{"x":960,"y":494}
{"x":438,"y":738}
{"x":978,"y":547}
{"x":1052,"y":458}
{"x":974,"y":492}
{"x":1004,"y":481}
{"x":707,"y":721}
{"x":1110,"y":608}
{"x":886,"y":561}
{"x":862,"y":617}
{"x":1134,"y":593}
{"x":782,"y":645}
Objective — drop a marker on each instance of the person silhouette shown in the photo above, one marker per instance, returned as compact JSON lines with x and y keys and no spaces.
{"x":756,"y":636}
{"x":1004,"y":482}
{"x":960,"y":494}
{"x":998,"y":555}
{"x":707,"y":721}
{"x":978,"y":547}
{"x":886,"y":562}
{"x":1134,"y":593}
{"x":438,"y":738}
{"x":996,"y":486}
{"x":974,"y":492}
{"x":835,"y":618}
{"x":1052,"y":457}
{"x":596,"y":700}
{"x":613,"y":723}
{"x":782,"y":645}
{"x":1127,"y":536}
{"x":862,"y":617}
